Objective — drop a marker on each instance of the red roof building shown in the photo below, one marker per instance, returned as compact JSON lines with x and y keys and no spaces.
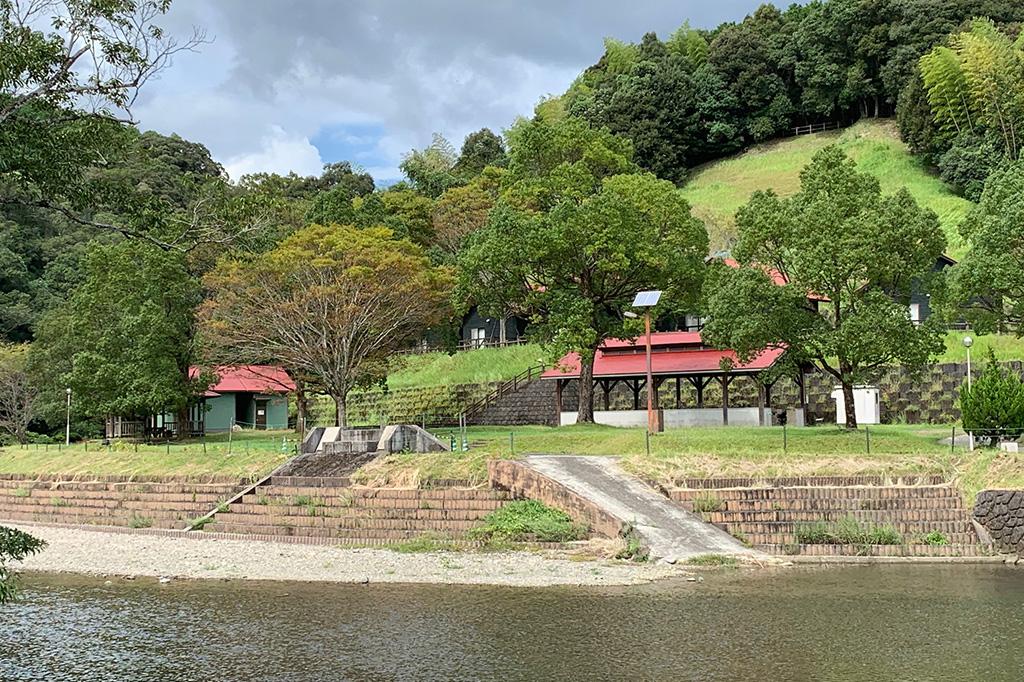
{"x":681,"y":356}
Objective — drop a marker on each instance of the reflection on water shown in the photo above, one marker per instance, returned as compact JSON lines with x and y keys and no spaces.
{"x":856,"y":623}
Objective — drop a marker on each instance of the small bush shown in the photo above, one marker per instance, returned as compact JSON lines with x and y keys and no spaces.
{"x":22,"y":492}
{"x":846,"y":531}
{"x":634,"y":549}
{"x":528,"y":520}
{"x":15,"y":545}
{"x":993,"y":408}
{"x":935,"y":539}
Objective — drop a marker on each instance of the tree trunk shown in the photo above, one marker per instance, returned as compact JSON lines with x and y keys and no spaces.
{"x":340,"y":418}
{"x":183,"y":425}
{"x":300,"y":407}
{"x":585,"y":411}
{"x":848,"y":403}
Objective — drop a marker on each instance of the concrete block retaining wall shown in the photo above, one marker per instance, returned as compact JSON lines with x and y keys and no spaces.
{"x":1001,"y":513}
{"x":112,"y":501}
{"x":313,"y":507}
{"x":769,"y":514}
{"x":926,"y":397}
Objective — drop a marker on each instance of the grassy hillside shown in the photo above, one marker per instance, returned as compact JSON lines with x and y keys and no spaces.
{"x":716,"y":190}
{"x":468,"y":367}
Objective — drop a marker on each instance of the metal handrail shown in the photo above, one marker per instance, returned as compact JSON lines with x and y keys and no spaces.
{"x":509,"y":386}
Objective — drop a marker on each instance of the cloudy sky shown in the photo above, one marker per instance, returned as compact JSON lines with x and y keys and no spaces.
{"x":289,"y":85}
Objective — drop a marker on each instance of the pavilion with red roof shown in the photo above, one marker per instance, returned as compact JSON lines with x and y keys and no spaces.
{"x":678,"y":356}
{"x":243,"y":396}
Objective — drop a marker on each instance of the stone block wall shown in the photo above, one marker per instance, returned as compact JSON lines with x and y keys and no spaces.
{"x":169,"y":502}
{"x":929,"y":396}
{"x":1001,"y":513}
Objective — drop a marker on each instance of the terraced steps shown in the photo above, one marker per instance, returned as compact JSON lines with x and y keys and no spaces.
{"x":110,"y":501}
{"x":928,"y":519}
{"x":311,"y":507}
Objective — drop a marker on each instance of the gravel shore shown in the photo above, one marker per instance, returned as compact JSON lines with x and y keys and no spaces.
{"x":92,"y":552}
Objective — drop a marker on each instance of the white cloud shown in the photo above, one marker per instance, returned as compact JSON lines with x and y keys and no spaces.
{"x":279,"y":152}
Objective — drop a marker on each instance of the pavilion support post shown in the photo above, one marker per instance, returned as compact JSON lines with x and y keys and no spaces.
{"x":725,"y":381}
{"x":658,"y":381}
{"x":760,"y":403}
{"x":635,"y":385}
{"x":559,"y":386}
{"x":606,"y":390}
{"x":699,"y":383}
{"x":679,"y":401}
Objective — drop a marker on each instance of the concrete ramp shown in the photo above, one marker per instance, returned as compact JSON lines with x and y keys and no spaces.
{"x":670,"y":532}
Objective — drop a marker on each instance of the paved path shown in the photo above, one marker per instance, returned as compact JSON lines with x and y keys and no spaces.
{"x":670,"y":532}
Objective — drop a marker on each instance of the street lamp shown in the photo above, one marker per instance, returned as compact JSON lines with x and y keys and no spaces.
{"x":968,"y":342}
{"x":647,"y":300}
{"x":67,"y":429}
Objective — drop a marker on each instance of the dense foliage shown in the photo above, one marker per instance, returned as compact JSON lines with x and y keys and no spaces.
{"x":993,"y":407}
{"x":15,"y":545}
{"x":848,"y":258}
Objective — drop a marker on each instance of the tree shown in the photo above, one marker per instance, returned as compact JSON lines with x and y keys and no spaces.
{"x":977,"y":84}
{"x":993,"y":407}
{"x":329,"y":303}
{"x":479,"y":150}
{"x":18,"y":393}
{"x":573,"y":239}
{"x":124,"y":340}
{"x":15,"y":545}
{"x":432,"y":170}
{"x":988,"y":284}
{"x":840,"y":239}
{"x":70,"y":72}
{"x":461,"y":211}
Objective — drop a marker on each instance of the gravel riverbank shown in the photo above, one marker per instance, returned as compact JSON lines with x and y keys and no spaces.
{"x":72,"y":550}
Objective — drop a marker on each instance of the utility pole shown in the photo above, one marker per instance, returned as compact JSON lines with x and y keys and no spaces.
{"x":67,"y":426}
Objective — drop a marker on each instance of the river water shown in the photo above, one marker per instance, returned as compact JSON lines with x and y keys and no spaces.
{"x":854,"y":623}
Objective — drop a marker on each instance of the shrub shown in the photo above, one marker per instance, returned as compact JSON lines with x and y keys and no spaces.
{"x":993,"y":408}
{"x":846,"y":531}
{"x":935,"y":539}
{"x":528,"y":520}
{"x":15,"y":545}
{"x":712,"y":560}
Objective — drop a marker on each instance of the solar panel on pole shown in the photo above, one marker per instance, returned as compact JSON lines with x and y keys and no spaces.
{"x":646,"y":299}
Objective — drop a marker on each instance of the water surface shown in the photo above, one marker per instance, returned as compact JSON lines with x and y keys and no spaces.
{"x":855,"y":623}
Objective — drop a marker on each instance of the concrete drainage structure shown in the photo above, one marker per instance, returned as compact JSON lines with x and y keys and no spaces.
{"x":334,"y":440}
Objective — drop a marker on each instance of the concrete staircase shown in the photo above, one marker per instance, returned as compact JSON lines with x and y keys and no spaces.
{"x":105,"y":502}
{"x":781,"y":518}
{"x":331,"y":508}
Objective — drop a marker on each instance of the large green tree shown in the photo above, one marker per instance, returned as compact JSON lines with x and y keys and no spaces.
{"x":124,"y":340}
{"x":988,"y":283}
{"x":330,"y":303}
{"x":840,"y":239}
{"x":576,"y":233}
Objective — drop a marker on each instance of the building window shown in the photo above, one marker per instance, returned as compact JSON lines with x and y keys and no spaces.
{"x":478,"y":335}
{"x":915,"y":313}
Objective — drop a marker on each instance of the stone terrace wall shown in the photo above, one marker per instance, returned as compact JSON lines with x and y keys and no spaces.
{"x":112,"y":501}
{"x":1001,"y":513}
{"x":331,"y":509}
{"x":927,"y":397}
{"x":437,"y":404}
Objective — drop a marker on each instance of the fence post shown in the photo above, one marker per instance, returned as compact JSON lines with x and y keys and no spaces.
{"x":867,"y":437}
{"x":231,"y":430}
{"x":168,"y":446}
{"x":647,"y":441}
{"x":952,"y":440}
{"x":512,"y":442}
{"x":785,"y":440}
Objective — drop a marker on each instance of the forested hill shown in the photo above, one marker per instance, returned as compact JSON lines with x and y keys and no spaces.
{"x":717,"y":189}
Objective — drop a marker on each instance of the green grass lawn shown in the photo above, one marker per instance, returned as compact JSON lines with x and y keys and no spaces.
{"x":477,"y":366}
{"x":250,"y":454}
{"x":1006,"y":346}
{"x":717,"y":189}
